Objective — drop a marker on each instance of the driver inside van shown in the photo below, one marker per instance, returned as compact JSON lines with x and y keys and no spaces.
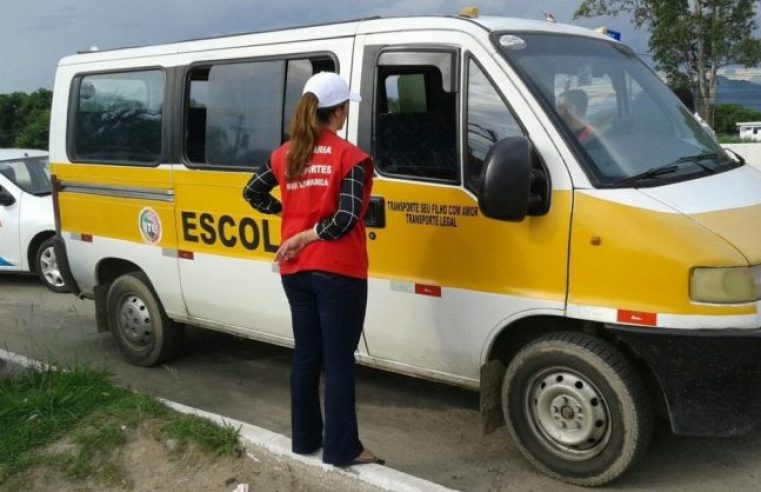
{"x":572,"y":108}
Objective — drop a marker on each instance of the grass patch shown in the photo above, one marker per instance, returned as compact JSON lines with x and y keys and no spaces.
{"x":83,"y":407}
{"x":93,"y":444}
{"x":36,"y":408}
{"x":222,"y":441}
{"x":725,"y":138}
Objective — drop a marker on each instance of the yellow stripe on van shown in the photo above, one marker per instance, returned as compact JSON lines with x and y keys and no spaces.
{"x":436,"y":235}
{"x":441,"y":239}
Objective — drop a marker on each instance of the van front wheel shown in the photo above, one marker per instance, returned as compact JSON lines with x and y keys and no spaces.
{"x":143,"y":331}
{"x":576,"y":408}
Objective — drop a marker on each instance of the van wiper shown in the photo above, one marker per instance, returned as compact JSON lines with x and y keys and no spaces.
{"x":700,"y":157}
{"x":649,"y":174}
{"x":671,"y":167}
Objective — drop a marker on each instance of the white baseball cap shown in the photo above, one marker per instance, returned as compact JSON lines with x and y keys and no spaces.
{"x":330,"y":89}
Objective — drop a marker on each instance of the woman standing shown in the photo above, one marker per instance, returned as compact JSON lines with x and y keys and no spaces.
{"x":325,"y":185}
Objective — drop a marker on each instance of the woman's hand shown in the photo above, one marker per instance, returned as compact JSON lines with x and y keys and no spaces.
{"x":291,"y":248}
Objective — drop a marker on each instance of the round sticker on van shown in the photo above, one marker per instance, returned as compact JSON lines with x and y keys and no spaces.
{"x":512,"y":42}
{"x":150,"y":225}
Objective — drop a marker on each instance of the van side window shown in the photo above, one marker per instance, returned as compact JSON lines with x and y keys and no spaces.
{"x":118,"y":117}
{"x":297,"y":74}
{"x":415,"y":131}
{"x":240,"y":123}
{"x":237,"y":113}
{"x":489,"y":121}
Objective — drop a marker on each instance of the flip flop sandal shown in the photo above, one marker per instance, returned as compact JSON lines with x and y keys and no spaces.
{"x":367,"y":461}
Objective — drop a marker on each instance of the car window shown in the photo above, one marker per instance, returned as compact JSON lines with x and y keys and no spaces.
{"x":489,"y":121}
{"x":618,"y":115}
{"x":415,"y":131}
{"x":31,"y":174}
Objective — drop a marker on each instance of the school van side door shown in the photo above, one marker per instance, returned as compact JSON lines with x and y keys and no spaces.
{"x":237,"y":109}
{"x":430,"y":113}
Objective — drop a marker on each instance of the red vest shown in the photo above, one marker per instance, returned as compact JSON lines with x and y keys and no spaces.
{"x":313,"y":197}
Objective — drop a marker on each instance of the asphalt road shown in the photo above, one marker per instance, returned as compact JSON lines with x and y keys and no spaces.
{"x":422,"y":428}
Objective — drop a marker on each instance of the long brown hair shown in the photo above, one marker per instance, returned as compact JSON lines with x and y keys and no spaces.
{"x":306,"y":126}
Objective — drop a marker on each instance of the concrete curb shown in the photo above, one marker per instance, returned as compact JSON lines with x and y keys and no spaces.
{"x":378,"y":476}
{"x":13,"y":359}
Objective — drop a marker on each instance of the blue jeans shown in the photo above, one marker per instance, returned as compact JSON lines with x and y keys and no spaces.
{"x":327,"y":312}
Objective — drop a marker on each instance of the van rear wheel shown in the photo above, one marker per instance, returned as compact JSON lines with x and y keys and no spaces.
{"x":576,"y":408}
{"x":145,"y":334}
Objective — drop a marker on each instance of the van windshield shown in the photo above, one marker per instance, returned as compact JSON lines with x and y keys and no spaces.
{"x":31,"y":174}
{"x":628,"y":127}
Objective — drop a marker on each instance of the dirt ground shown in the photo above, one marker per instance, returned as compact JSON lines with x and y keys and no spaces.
{"x":145,"y":463}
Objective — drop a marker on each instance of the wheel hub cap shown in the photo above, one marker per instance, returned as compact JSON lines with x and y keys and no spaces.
{"x":135,"y":322}
{"x":49,"y":268}
{"x":568,"y":413}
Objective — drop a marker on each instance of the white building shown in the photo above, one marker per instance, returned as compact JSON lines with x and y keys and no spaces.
{"x":750,"y":130}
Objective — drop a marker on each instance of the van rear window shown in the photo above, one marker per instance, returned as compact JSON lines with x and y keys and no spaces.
{"x":118,"y":117}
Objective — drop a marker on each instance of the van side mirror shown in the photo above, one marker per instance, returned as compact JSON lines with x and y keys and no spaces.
{"x":6,"y":198}
{"x":514,"y":182}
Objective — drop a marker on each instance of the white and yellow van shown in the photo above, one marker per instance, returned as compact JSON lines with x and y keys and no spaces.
{"x":549,"y":224}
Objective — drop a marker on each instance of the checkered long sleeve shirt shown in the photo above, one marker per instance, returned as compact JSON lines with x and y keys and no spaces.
{"x":257,"y":194}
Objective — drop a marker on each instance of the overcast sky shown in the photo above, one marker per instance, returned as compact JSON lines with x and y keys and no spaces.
{"x":35,"y":34}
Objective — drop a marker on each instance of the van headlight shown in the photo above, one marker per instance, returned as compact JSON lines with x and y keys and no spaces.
{"x":734,"y":285}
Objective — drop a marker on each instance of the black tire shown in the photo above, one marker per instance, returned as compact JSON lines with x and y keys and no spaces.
{"x":576,"y":408}
{"x":138,"y":322}
{"x":46,"y":266}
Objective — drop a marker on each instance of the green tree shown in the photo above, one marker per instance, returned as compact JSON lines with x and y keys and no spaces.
{"x":683,"y":91}
{"x":39,"y":100}
{"x":35,"y":134}
{"x":10,"y":117}
{"x":24,"y":119}
{"x":691,"y":39}
{"x":728,"y":115}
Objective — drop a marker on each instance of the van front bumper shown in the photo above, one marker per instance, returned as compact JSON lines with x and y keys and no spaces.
{"x":711,"y":379}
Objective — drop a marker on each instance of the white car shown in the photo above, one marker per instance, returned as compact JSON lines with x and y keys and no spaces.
{"x":27,"y":221}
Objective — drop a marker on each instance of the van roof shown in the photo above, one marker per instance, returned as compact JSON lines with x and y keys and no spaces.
{"x":333,"y":30}
{"x":499,"y":23}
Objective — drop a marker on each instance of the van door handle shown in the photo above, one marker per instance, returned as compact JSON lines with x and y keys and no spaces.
{"x":376,"y":212}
